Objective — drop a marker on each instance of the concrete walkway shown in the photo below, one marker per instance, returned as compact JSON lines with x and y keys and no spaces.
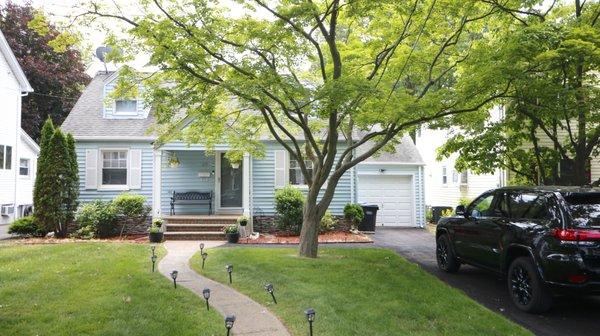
{"x":251,"y":318}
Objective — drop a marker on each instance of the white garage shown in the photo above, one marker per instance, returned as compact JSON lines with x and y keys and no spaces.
{"x":393,"y":194}
{"x":394,"y":182}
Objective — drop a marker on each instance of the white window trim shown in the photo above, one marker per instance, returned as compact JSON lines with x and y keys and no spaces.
{"x":120,"y":187}
{"x":299,"y":186}
{"x":444,"y":174}
{"x":29,"y":161}
{"x":117,"y":113}
{"x":4,"y":161}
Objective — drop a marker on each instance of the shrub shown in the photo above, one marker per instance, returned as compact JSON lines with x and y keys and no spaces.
{"x":26,"y":226}
{"x":328,"y":222}
{"x":231,"y":229}
{"x":464,"y":201}
{"x":447,"y":213}
{"x":289,"y":204}
{"x":354,"y":213}
{"x":130,"y":205}
{"x":97,"y":217}
{"x":429,"y":215}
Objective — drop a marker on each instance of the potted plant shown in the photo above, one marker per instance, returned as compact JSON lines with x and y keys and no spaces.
{"x":156,"y":235}
{"x":233,"y":233}
{"x":243,"y":220}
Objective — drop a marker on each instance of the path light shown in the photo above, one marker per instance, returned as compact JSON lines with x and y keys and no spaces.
{"x":310,"y":316}
{"x":229,"y":269}
{"x":229,"y":320}
{"x":153,"y":249}
{"x":153,"y":258}
{"x":201,"y":248}
{"x":204,"y":256}
{"x":206,"y":294}
{"x":269,"y":288}
{"x":174,"y":276}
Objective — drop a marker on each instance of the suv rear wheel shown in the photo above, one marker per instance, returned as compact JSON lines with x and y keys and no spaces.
{"x":526,"y":288}
{"x":446,"y":259}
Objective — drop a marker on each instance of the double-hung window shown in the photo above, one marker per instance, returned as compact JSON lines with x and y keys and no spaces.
{"x":296,"y":176}
{"x":114,"y":167}
{"x":24,"y":167}
{"x":444,"y":175}
{"x":5,"y":157}
{"x":126,"y":107}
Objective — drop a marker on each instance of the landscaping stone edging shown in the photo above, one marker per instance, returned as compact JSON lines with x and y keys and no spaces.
{"x":251,"y":317}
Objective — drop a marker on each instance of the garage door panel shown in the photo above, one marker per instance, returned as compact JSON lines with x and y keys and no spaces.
{"x":394,"y":196}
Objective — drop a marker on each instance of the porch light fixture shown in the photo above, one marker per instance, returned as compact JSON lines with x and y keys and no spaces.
{"x":174,"y":160}
{"x":206,"y":295}
{"x":174,"y":276}
{"x":153,"y":258}
{"x":204,"y":256}
{"x":229,"y":269}
{"x":310,"y":317}
{"x":229,"y":321}
{"x":271,"y":290}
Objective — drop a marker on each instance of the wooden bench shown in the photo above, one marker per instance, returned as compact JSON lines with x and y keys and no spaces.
{"x":192,"y":197}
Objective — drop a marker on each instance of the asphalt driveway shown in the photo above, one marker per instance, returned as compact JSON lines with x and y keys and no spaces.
{"x":569,"y":316}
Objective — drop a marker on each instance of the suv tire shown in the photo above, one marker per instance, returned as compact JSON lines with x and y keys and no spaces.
{"x":446,"y":260}
{"x":526,"y":288}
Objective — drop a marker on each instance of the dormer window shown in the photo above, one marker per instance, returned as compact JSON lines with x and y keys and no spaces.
{"x":125,"y":107}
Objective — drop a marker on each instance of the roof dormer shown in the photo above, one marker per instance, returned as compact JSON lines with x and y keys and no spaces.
{"x":129,"y":105}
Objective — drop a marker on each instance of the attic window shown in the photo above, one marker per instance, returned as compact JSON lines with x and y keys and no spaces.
{"x":125,"y":107}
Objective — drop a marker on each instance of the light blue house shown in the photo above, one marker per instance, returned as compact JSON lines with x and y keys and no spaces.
{"x":116,"y":154}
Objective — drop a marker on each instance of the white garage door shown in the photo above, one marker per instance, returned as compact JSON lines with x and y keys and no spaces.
{"x":394,"y":196}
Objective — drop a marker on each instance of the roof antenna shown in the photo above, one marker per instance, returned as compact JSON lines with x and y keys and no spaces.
{"x":101,"y":54}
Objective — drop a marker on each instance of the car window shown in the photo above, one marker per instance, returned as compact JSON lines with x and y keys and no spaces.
{"x":528,"y":206}
{"x":502,"y":206}
{"x":482,"y":207}
{"x":584,"y":209}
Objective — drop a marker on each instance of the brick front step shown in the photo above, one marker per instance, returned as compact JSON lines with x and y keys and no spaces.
{"x":216,"y":219}
{"x":194,"y":236}
{"x":195,"y":227}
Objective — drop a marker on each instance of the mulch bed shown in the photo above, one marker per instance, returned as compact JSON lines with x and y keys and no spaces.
{"x":326,"y":238}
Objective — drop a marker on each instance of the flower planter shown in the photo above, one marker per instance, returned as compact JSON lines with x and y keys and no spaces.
{"x":243,"y":223}
{"x":233,"y":237}
{"x":156,"y":237}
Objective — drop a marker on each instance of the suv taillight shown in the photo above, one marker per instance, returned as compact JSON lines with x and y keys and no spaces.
{"x":576,"y":234}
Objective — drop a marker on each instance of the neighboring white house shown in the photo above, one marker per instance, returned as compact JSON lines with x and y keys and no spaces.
{"x":444,"y":184}
{"x":18,"y":152}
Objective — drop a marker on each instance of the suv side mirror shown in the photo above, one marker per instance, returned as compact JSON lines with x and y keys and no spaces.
{"x":460,"y":210}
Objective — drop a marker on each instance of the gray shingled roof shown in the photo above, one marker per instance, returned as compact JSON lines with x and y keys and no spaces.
{"x":406,"y":152}
{"x":85,"y":119}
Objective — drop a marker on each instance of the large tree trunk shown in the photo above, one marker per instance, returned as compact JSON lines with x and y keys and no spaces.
{"x":314,"y":210}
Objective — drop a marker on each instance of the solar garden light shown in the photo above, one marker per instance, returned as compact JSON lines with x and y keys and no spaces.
{"x":174,"y":276}
{"x":206,"y":294}
{"x":204,"y":256}
{"x":229,"y":269}
{"x":202,"y":248}
{"x":153,"y":249}
{"x":269,"y":288}
{"x":153,"y":258}
{"x":310,"y":316}
{"x":229,"y":320}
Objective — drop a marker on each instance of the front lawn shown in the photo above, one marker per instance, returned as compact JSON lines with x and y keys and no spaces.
{"x":94,"y":289}
{"x":354,"y":292}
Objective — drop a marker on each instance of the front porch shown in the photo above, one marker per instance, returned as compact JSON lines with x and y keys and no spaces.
{"x":222,"y":186}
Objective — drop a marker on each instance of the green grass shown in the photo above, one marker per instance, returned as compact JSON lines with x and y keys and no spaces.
{"x":354,"y":292}
{"x":94,"y":289}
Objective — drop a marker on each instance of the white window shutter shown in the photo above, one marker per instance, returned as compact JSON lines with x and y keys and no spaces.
{"x":135,"y":169}
{"x":281,"y":168}
{"x":91,"y":169}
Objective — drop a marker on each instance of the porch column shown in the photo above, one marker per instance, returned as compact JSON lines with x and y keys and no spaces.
{"x":246,"y":190}
{"x":156,"y":184}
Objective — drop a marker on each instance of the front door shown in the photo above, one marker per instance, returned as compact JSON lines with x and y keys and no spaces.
{"x":229,"y":184}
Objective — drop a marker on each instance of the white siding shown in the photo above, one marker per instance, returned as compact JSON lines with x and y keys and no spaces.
{"x":438,"y":193}
{"x":10,"y":100}
{"x":25,"y":183}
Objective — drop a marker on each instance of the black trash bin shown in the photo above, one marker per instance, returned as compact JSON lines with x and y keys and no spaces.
{"x":368,"y":223}
{"x":437,"y":211}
